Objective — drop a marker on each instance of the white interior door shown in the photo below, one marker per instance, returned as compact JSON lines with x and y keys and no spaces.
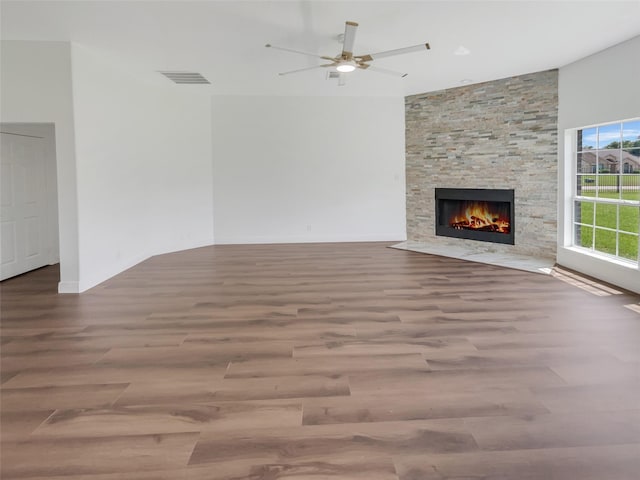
{"x":23,"y":216}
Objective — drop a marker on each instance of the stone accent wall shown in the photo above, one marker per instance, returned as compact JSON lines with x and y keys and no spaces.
{"x":500,"y":134}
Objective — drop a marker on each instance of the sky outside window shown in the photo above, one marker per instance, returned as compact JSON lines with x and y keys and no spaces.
{"x":608,"y":134}
{"x":631,"y":131}
{"x":589,"y":138}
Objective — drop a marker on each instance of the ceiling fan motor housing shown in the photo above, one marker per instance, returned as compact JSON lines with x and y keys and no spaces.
{"x":346,"y":61}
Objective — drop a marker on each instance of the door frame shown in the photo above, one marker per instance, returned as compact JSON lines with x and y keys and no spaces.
{"x":46,"y":131}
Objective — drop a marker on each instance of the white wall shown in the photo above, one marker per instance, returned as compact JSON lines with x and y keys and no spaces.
{"x":308,"y":169}
{"x":598,"y":89}
{"x":144,"y":167}
{"x":35,"y":87}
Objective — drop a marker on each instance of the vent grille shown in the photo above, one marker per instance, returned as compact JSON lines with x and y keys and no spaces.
{"x":190,"y":78}
{"x":333,"y":75}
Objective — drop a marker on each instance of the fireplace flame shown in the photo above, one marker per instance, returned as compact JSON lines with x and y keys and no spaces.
{"x":479,"y":217}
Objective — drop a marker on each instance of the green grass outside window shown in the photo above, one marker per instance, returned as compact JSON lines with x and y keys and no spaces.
{"x":606,"y":216}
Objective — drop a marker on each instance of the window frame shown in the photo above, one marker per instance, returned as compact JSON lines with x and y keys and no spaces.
{"x":577,"y":200}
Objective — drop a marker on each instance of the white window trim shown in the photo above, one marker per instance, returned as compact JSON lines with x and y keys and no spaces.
{"x":570,"y":155}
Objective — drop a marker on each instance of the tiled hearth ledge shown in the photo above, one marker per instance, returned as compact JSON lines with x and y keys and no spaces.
{"x":519,"y":262}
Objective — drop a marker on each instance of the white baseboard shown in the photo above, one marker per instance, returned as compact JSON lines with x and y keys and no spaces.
{"x":616,"y":273}
{"x":96,"y":278}
{"x":251,"y":240}
{"x":68,"y":287}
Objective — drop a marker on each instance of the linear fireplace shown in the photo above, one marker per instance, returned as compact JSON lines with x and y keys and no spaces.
{"x":476,"y":214}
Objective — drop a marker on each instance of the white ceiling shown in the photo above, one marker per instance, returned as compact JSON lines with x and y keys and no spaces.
{"x":224,"y":40}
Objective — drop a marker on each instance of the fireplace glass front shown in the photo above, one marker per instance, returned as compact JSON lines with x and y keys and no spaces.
{"x":476,"y":214}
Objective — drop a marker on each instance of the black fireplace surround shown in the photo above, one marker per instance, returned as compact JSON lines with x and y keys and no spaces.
{"x":452,"y":203}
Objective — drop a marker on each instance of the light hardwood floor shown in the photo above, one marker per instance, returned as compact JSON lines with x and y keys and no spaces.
{"x":328,"y":361}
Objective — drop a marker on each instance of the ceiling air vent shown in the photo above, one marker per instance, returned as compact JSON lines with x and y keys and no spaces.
{"x":189,"y":78}
{"x":333,"y":75}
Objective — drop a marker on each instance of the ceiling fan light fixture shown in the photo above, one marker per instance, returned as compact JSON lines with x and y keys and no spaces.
{"x":346,"y":62}
{"x":346,"y":67}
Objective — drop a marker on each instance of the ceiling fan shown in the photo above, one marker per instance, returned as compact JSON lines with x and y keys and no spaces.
{"x":346,"y":61}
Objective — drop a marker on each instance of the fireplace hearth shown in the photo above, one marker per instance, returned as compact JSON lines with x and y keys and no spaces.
{"x":476,"y":214}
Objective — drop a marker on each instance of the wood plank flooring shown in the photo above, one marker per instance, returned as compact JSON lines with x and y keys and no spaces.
{"x":327,"y":361}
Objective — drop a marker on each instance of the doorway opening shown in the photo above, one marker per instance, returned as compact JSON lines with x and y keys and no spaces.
{"x":29,"y":231}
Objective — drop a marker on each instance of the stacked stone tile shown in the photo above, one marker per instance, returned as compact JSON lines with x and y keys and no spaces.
{"x":500,"y":134}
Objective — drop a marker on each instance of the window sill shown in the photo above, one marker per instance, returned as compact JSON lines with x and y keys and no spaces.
{"x":604,"y":257}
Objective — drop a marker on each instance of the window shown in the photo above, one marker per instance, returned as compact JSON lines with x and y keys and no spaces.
{"x":606,"y":201}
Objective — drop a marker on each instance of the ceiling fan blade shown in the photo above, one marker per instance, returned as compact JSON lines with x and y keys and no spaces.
{"x":390,"y":53}
{"x":382,"y":70}
{"x":349,"y":39}
{"x":268,"y":45}
{"x":305,"y":69}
